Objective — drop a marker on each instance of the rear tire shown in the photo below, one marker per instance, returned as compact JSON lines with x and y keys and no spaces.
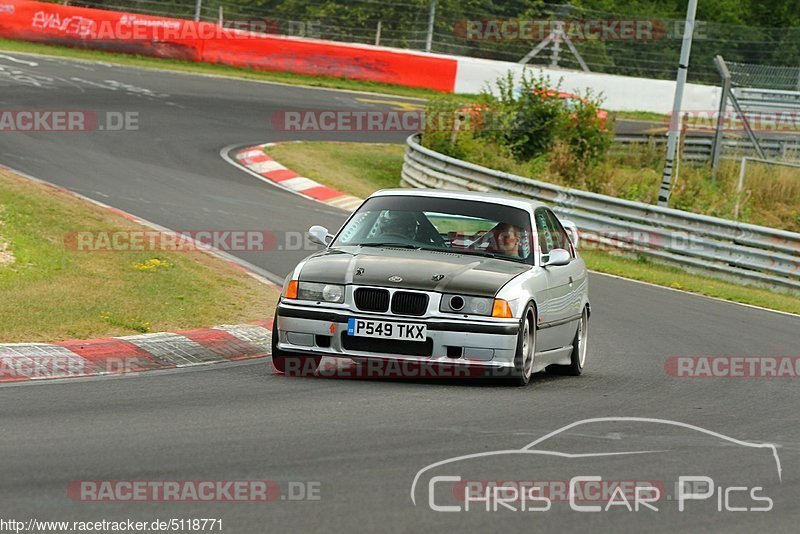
{"x":526,"y":349}
{"x":291,"y":364}
{"x":579,"y":349}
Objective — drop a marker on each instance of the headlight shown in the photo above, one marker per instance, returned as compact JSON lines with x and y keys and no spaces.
{"x":320,"y":292}
{"x":479,"y":306}
{"x":466,"y":305}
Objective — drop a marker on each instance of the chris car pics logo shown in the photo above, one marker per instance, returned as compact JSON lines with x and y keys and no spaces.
{"x":444,"y":486}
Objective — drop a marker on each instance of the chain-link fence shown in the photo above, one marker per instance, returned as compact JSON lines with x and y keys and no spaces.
{"x":614,"y":43}
{"x":764,"y":76}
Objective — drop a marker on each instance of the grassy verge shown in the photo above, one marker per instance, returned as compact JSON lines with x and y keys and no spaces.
{"x":677,"y":278}
{"x":357,"y":169}
{"x":219,"y":70}
{"x":342,"y":165}
{"x":648,"y":116}
{"x":51,"y":292}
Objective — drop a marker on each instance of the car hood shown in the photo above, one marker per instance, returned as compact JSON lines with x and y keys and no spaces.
{"x":444,"y":272}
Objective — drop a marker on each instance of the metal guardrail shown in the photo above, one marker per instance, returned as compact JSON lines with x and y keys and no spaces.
{"x":699,"y":148}
{"x":741,"y":251}
{"x":756,"y":99}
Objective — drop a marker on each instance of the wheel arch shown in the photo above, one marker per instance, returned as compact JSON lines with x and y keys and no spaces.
{"x":535,"y":305}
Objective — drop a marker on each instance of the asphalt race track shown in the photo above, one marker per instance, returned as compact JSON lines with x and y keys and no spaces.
{"x":360,"y":443}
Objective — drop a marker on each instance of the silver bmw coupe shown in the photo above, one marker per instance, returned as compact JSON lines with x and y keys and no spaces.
{"x":479,"y":281}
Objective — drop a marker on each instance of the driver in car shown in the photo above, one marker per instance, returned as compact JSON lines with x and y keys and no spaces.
{"x":399,"y":224}
{"x":505,"y":239}
{"x":508,"y":240}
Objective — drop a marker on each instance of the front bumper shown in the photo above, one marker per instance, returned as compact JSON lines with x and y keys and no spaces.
{"x":486,"y":343}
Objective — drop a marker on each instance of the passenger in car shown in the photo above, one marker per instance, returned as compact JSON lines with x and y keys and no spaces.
{"x":505,"y":239}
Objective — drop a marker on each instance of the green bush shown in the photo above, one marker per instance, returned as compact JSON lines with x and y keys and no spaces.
{"x":522,"y":124}
{"x":530,"y":131}
{"x":527,"y":117}
{"x":439,"y":134}
{"x":587,"y":132}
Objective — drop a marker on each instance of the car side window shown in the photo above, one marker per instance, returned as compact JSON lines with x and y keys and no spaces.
{"x":543,"y":232}
{"x":560,"y":236}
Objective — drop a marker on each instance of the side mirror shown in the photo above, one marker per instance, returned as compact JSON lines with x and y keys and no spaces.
{"x":320,"y":235}
{"x":572,"y":230}
{"x":558,"y":257}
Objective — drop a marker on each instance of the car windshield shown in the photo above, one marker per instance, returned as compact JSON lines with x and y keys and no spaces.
{"x":440,"y":224}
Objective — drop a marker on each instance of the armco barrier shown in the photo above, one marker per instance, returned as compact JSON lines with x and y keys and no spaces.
{"x":742,"y":251}
{"x":699,"y":148}
{"x":203,"y":41}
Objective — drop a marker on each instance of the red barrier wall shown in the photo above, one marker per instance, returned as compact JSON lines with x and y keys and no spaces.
{"x":187,"y":40}
{"x":97,"y":29}
{"x":332,"y":59}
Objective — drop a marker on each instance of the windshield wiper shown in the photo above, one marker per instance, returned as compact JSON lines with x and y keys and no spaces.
{"x":391,"y":245}
{"x":492,"y":255}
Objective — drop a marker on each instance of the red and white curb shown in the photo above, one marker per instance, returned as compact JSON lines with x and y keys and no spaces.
{"x":133,"y":354}
{"x":255,"y":160}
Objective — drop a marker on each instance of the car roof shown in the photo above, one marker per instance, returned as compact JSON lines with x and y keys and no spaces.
{"x":479,"y":196}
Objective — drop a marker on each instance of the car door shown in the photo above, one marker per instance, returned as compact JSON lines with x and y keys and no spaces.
{"x":576,"y":270}
{"x":558,"y":316}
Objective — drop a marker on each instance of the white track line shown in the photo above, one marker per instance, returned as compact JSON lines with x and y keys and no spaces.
{"x":790,"y":314}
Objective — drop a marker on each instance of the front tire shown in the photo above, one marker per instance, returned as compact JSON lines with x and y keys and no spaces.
{"x":526,"y":349}
{"x":579,"y":348}
{"x":291,"y":364}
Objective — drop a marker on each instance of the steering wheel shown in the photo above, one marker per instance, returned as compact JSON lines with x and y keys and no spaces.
{"x":478,"y":242}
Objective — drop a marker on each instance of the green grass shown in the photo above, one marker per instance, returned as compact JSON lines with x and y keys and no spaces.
{"x":677,"y":278}
{"x":649,"y":116}
{"x":51,"y":292}
{"x":219,"y":70}
{"x":359,"y":169}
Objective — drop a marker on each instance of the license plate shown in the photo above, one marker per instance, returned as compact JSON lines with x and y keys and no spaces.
{"x":386,"y":329}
